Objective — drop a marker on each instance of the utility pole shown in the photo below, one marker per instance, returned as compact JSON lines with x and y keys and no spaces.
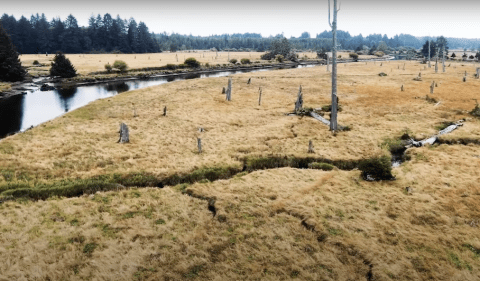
{"x":333,"y":25}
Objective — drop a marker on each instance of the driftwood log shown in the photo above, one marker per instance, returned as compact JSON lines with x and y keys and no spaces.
{"x":431,"y":140}
{"x":229,"y":90}
{"x":124,"y":135}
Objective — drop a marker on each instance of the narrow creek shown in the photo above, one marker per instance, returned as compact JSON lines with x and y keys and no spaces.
{"x":21,"y":112}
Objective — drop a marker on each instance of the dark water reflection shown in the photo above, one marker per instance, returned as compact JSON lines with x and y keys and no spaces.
{"x":21,"y":112}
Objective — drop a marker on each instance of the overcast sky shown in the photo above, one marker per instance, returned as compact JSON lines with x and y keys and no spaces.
{"x":460,"y":18}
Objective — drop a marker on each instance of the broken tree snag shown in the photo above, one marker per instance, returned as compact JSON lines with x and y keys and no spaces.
{"x":464,"y":78}
{"x":299,"y":102}
{"x":229,"y":90}
{"x":310,"y":147}
{"x":260,"y":96}
{"x":432,"y":87}
{"x":419,"y":74}
{"x":249,"y":81}
{"x":402,"y":88}
{"x":165,"y":111}
{"x":124,"y":135}
{"x":328,"y":63}
{"x":436,"y":65}
{"x":199,"y":145}
{"x":223,"y":90}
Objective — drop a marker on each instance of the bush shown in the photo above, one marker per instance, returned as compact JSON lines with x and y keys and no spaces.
{"x":382,"y":74}
{"x":321,"y":166}
{"x":354,"y":56}
{"x":245,"y":61}
{"x":267,"y":56}
{"x":108,"y":67}
{"x":379,"y":54}
{"x":279,"y":58}
{"x":61,"y":66}
{"x":234,"y":61}
{"x":120,"y":65}
{"x":192,"y":62}
{"x":171,"y":66}
{"x":375,"y":169}
{"x":35,"y":62}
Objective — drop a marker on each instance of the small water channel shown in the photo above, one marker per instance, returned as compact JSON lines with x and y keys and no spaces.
{"x":21,"y":112}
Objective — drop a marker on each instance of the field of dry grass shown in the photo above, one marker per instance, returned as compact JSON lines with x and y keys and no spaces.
{"x":87,"y":63}
{"x":275,"y":224}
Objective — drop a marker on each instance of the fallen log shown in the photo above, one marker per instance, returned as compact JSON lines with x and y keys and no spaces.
{"x":431,"y":140}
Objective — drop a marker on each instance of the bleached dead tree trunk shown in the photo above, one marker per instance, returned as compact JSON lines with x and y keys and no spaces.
{"x":229,"y":90}
{"x":299,"y":102}
{"x":328,"y":63}
{"x":333,"y":25}
{"x":124,"y":135}
{"x":429,"y":65}
{"x":199,"y":145}
{"x":260,"y":96}
{"x":310,"y":147}
{"x":443,"y":58}
{"x":478,"y":72}
{"x":436,"y":65}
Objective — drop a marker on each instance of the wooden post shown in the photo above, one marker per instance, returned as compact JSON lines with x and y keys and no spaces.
{"x":199,"y":145}
{"x":310,"y":147}
{"x":299,"y":102}
{"x":402,"y":89}
{"x":165,"y":111}
{"x":229,"y":90}
{"x":249,"y":81}
{"x":124,"y":135}
{"x":432,"y":87}
{"x":260,"y":96}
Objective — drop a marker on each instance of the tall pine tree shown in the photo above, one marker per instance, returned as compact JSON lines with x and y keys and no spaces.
{"x":10,"y":67}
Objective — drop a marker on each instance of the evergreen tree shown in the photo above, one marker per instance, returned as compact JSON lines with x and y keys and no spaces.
{"x":10,"y":67}
{"x":61,"y":66}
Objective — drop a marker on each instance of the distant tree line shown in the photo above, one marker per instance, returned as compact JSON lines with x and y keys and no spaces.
{"x":103,"y":34}
{"x":107,"y":34}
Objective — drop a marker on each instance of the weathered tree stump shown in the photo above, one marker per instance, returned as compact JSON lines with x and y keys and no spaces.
{"x":478,"y":72}
{"x":229,"y":90}
{"x":402,"y":89}
{"x":432,"y":87}
{"x":299,"y":102}
{"x":260,"y":96}
{"x":419,"y":74}
{"x":436,"y":66}
{"x":381,"y":64}
{"x":328,"y":63}
{"x":165,"y":111}
{"x":199,"y":145}
{"x":404,"y":66}
{"x":310,"y":147}
{"x":223,"y":90}
{"x":464,"y":78}
{"x":124,"y":135}
{"x":465,"y":73}
{"x":249,"y":81}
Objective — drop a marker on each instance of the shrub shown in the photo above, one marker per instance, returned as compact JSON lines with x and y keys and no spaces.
{"x":321,"y":166}
{"x":207,"y":65}
{"x":379,"y":54}
{"x":267,"y":56}
{"x":234,"y":61}
{"x":476,"y":111}
{"x":382,"y":74}
{"x":377,"y":168}
{"x":108,"y":67}
{"x":171,"y":66}
{"x":35,"y":62}
{"x":354,"y":56}
{"x":192,"y":62}
{"x":120,"y":65}
{"x":61,"y":66}
{"x":245,"y":61}
{"x":279,"y":58}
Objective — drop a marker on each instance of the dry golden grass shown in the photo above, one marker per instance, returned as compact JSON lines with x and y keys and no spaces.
{"x":350,"y":228}
{"x":87,"y":63}
{"x":4,"y":86}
